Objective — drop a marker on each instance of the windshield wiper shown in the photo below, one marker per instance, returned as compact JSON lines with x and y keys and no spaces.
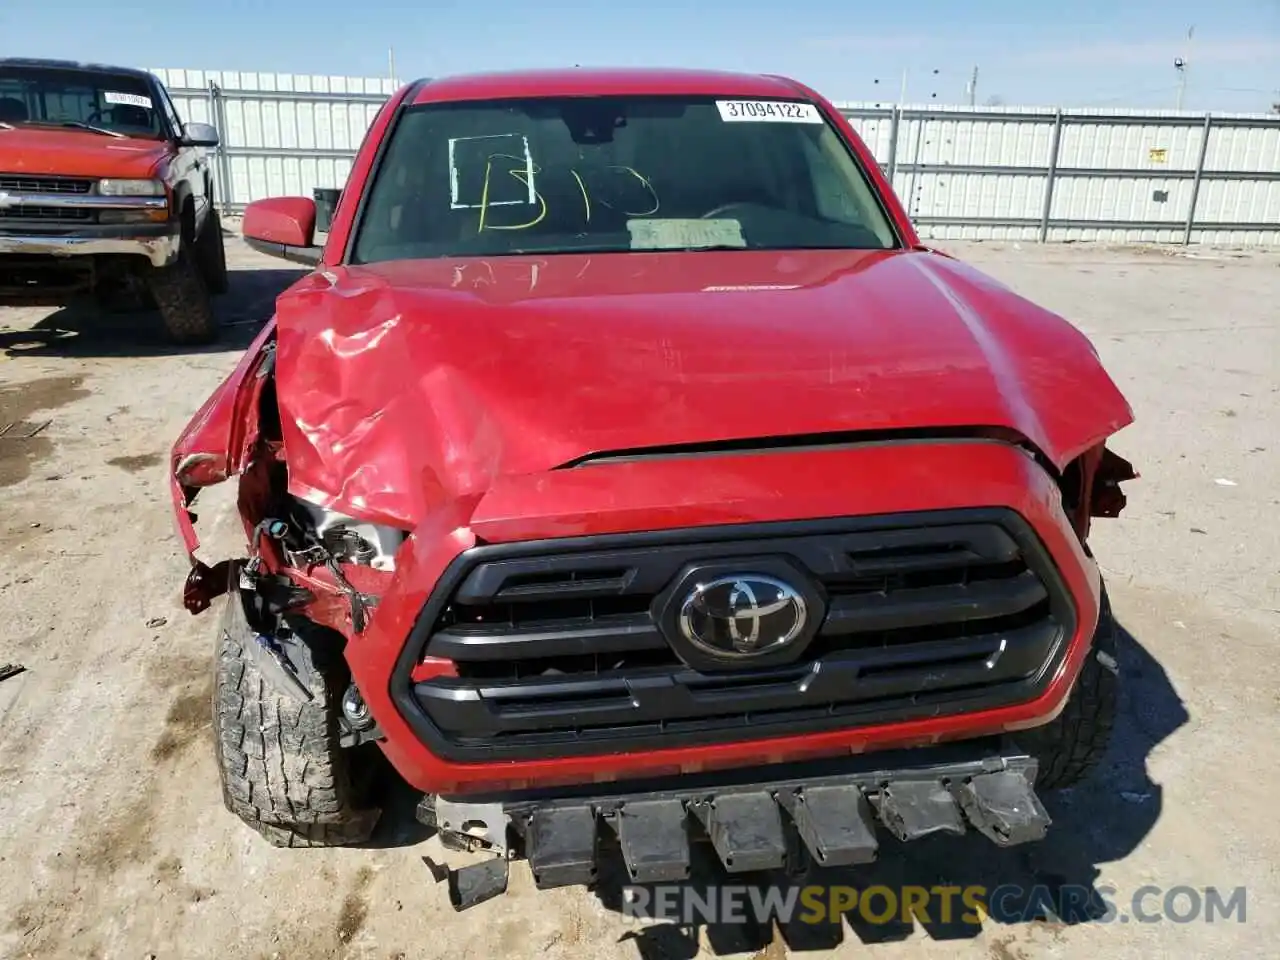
{"x":81,"y":125}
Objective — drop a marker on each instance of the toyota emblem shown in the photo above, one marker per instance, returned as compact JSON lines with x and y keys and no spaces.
{"x":743,"y":616}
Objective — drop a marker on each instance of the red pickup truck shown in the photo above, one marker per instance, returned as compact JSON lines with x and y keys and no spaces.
{"x":103,"y":188}
{"x":627,"y":471}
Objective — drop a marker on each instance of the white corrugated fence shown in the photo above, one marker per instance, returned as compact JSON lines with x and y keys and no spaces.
{"x":1014,"y":173}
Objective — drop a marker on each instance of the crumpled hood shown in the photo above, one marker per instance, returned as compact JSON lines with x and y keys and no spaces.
{"x":404,"y":385}
{"x":44,"y":151}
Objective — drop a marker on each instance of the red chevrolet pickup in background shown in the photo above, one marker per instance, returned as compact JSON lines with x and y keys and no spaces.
{"x":627,"y":470}
{"x":103,"y":187}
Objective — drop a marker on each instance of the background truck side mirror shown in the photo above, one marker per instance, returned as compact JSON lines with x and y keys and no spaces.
{"x":199,"y":135}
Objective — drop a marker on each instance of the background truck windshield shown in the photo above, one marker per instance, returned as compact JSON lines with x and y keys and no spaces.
{"x":612,"y":174}
{"x":45,"y":96}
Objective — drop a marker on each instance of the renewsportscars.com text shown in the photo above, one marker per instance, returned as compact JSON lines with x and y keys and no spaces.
{"x":1010,"y":903}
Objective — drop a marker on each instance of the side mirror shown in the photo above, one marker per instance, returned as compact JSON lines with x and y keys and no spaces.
{"x":283,"y":227}
{"x":199,"y":135}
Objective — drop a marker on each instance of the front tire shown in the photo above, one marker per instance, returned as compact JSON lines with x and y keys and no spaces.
{"x":182,"y":296}
{"x":212,"y":255}
{"x":282,"y":770}
{"x":1072,"y":745}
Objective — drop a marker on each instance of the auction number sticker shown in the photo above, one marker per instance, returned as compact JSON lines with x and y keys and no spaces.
{"x":127,"y":99}
{"x":768,"y":111}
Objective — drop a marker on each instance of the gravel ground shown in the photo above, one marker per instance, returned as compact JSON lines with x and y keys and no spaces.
{"x":113,"y":839}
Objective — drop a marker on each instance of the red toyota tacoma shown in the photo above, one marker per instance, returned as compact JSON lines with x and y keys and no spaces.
{"x":103,"y":191}
{"x":630,"y":475}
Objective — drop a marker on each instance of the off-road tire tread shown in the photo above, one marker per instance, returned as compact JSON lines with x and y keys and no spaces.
{"x":281,"y":768}
{"x":183,"y":300}
{"x":211,"y":255}
{"x":1073,"y":744}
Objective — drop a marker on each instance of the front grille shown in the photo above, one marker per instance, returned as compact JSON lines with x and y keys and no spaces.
{"x":21,"y":183}
{"x":561,"y":648}
{"x":27,"y":214}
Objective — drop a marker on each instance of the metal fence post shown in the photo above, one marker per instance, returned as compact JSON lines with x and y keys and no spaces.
{"x":215,"y":118}
{"x":1195,"y":183}
{"x":218,"y":106}
{"x":212,"y":93}
{"x":1051,"y":175}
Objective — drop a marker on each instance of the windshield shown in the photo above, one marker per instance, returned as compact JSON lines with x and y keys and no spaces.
{"x":614,"y":174}
{"x":41,"y":96}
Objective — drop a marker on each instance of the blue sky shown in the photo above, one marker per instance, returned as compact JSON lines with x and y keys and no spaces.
{"x":1070,"y":53}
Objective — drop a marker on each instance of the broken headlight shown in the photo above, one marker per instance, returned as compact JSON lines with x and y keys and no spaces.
{"x":349,"y":540}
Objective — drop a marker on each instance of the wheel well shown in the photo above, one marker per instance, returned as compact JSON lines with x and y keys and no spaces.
{"x":187,"y":217}
{"x":1090,"y":487}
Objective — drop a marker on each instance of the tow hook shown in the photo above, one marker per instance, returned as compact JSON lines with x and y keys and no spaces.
{"x":474,"y":883}
{"x":469,"y":827}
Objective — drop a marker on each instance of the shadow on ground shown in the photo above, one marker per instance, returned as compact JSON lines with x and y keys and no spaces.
{"x":89,"y":331}
{"x":1098,"y":822}
{"x":399,"y":825}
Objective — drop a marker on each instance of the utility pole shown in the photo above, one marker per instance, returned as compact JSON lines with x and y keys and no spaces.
{"x":1180,"y":64}
{"x":973,"y":86}
{"x":391,"y":62}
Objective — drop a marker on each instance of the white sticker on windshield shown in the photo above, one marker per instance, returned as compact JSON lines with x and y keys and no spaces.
{"x":494,"y":170}
{"x":768,"y":111}
{"x":126,"y":99}
{"x":673,"y":234}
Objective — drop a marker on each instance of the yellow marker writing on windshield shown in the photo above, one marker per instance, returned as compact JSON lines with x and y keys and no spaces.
{"x":644,"y":182}
{"x":519,"y":174}
{"x":586,"y":200}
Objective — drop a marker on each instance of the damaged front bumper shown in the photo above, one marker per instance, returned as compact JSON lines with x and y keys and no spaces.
{"x":157,"y":243}
{"x":784,"y":818}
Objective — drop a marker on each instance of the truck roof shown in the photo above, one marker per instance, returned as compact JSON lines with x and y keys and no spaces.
{"x":50,"y":64}
{"x":604,"y":81}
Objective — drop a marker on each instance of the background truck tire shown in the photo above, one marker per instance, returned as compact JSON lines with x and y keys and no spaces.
{"x":212,"y":255}
{"x":1072,"y":745}
{"x":282,"y":770}
{"x":182,"y":296}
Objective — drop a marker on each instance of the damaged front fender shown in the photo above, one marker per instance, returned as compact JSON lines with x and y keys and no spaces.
{"x":215,"y":446}
{"x":218,"y":441}
{"x":298,"y":561}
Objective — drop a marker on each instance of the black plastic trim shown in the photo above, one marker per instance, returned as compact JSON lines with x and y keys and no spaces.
{"x":479,"y":644}
{"x":783,"y":700}
{"x":489,"y":579}
{"x":1037,"y":557}
{"x":773,"y":818}
{"x":310,"y":256}
{"x":933,"y":605}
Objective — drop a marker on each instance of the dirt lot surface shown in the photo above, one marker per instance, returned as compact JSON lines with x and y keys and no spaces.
{"x":113,"y":838}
